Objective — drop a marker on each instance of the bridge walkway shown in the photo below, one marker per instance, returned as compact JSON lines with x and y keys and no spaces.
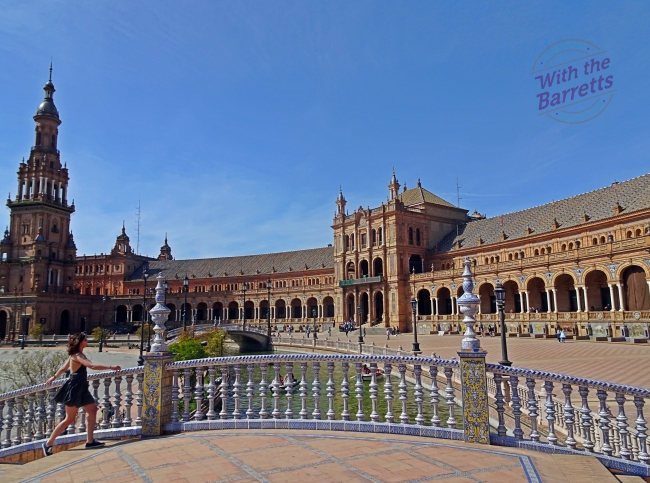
{"x":273,"y":456}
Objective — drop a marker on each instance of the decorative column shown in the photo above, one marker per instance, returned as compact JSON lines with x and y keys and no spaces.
{"x":476,"y":425}
{"x":621,"y":300}
{"x":584,"y":289}
{"x":554,"y":300}
{"x":521,"y":303}
{"x":612,"y":308}
{"x":157,"y":397}
{"x":438,"y":311}
{"x":578,"y":299}
{"x":548,"y":300}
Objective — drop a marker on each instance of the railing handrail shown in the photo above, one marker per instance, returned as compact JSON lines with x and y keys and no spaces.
{"x":59,"y":382}
{"x":565,"y":379}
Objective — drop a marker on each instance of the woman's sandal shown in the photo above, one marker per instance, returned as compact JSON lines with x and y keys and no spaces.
{"x":95,"y":444}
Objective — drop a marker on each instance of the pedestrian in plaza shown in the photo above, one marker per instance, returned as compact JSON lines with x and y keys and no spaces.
{"x":329,"y":331}
{"x":562,"y":336}
{"x":388,"y":334}
{"x":557,"y":334}
{"x":74,"y":394}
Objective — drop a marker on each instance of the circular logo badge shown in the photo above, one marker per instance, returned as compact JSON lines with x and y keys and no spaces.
{"x":574,"y":81}
{"x":637,"y":315}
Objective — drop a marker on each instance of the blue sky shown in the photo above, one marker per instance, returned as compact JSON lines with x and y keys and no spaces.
{"x":235,"y":123}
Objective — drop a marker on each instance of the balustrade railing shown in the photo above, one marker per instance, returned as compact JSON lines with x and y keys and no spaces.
{"x":30,"y":413}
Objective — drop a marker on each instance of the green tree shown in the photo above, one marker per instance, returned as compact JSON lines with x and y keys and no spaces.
{"x":104,"y":333}
{"x":188,"y":349}
{"x":214,"y":339}
{"x":37,"y":331}
{"x":148,"y":330}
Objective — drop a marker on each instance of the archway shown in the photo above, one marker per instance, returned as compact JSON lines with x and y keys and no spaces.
{"x":537,"y":297}
{"x":4,"y":321}
{"x":64,"y":325}
{"x":363,"y":268}
{"x":488,"y":300}
{"x":296,"y":309}
{"x":217,"y":311}
{"x":349,"y":271}
{"x":264,"y":309}
{"x":328,"y":307}
{"x":201,"y":312}
{"x":513,"y":301}
{"x":136,"y":313}
{"x":379,"y":307}
{"x":312,"y":308}
{"x":379,"y":267}
{"x":351,"y":309}
{"x":565,"y":294}
{"x":636,"y":289}
{"x":444,"y":301}
{"x":121,"y":314}
{"x":249,"y":310}
{"x":233,"y":311}
{"x":365,"y":305}
{"x":172,"y":313}
{"x":280,"y":309}
{"x":424,"y":302}
{"x":598,"y":296}
{"x":415,"y":264}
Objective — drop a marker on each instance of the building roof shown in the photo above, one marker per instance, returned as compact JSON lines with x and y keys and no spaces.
{"x":247,"y":265}
{"x":418,"y":195}
{"x":632,"y":195}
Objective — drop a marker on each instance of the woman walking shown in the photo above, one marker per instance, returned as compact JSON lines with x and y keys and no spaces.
{"x":74,"y":393}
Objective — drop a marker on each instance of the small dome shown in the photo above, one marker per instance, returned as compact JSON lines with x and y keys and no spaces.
{"x":47,"y":108}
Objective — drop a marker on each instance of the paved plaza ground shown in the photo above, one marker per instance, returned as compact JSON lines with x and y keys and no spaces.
{"x":289,"y":456}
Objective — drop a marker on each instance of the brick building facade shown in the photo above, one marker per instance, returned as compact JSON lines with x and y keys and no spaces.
{"x":582,"y":263}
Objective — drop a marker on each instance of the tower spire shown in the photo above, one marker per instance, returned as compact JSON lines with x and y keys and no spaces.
{"x":50,"y":70}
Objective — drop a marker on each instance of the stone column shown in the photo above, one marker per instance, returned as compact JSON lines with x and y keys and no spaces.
{"x":438,"y":310}
{"x":578,"y":301}
{"x":476,"y":426}
{"x":548,"y":300}
{"x":621,"y":300}
{"x":433,"y":311}
{"x":584,"y":289}
{"x":527,"y":298}
{"x":521,"y":302}
{"x":554,"y":300}
{"x":453,"y":305}
{"x":157,"y":397}
{"x":611,"y":297}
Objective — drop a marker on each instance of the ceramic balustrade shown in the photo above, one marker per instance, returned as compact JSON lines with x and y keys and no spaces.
{"x":30,"y":413}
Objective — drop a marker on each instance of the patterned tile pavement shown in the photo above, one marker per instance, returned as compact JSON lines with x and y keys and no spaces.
{"x":291,"y":456}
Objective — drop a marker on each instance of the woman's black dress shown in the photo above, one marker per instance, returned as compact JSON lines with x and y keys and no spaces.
{"x":75,"y":391}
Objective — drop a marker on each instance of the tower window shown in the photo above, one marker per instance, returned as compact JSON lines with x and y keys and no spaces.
{"x":54,"y":140}
{"x":38,"y":139}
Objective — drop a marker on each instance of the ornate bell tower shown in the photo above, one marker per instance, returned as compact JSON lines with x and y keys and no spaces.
{"x":38,"y":251}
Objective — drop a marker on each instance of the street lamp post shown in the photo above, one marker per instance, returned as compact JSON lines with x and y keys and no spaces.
{"x":268,"y":313}
{"x":186,"y":288}
{"x":145,"y":275}
{"x":359,"y":324}
{"x":244,"y":287}
{"x":416,"y":344}
{"x":500,"y":295}
{"x":101,"y":321}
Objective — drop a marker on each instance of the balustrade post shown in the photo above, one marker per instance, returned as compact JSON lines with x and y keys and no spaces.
{"x":18,"y":421}
{"x":550,"y":412}
{"x":288,"y":387}
{"x":374,"y":415}
{"x":345,"y":392}
{"x":603,"y":422}
{"x":139,"y":395}
{"x":641,"y":430}
{"x":358,"y":389}
{"x":516,"y":407}
{"x":331,"y":391}
{"x":175,"y":414}
{"x":29,"y":418}
{"x":315,"y":387}
{"x":82,"y":419}
{"x":403,"y":393}
{"x":223,"y":392}
{"x":303,"y":391}
{"x":621,"y":422}
{"x":199,"y":393}
{"x":586,"y":420}
{"x":449,"y":396}
{"x":263,"y":391}
{"x":236,"y":392}
{"x":128,"y":401}
{"x":117,"y":403}
{"x":9,"y":422}
{"x":569,"y":416}
{"x":250,"y":391}
{"x":418,"y":392}
{"x":275,"y":387}
{"x":40,"y":416}
{"x":435,"y":397}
